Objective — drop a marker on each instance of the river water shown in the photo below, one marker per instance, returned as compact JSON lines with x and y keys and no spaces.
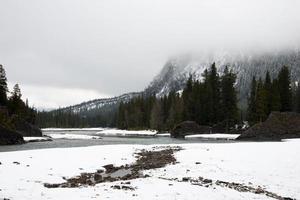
{"x":67,"y":143}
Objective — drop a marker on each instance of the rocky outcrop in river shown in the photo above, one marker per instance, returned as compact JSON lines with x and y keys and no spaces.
{"x":8,"y":137}
{"x":189,"y":128}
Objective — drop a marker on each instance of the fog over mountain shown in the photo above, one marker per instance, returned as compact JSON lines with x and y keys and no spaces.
{"x":64,"y":52}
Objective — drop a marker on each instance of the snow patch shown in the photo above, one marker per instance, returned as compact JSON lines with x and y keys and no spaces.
{"x":214,"y":136}
{"x":72,"y":136}
{"x":126,"y":133}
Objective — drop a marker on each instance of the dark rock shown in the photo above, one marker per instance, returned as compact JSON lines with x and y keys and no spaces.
{"x":117,"y":187}
{"x":219,"y":128}
{"x":97,"y":177}
{"x":124,"y":187}
{"x":278,"y":126}
{"x":185,"y":179}
{"x":110,"y":168}
{"x":233,"y":128}
{"x":189,"y":128}
{"x":27,"y":129}
{"x":9,"y":137}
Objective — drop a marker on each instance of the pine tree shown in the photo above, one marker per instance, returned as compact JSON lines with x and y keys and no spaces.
{"x":207,"y":110}
{"x":268,"y":93}
{"x":285,"y":90}
{"x":214,"y":82}
{"x":275,"y":102}
{"x":229,"y":98}
{"x":156,"y":120}
{"x":188,"y":100}
{"x":298,"y":99}
{"x":251,"y":112}
{"x":261,"y":102}
{"x":17,"y":92}
{"x":3,"y":87}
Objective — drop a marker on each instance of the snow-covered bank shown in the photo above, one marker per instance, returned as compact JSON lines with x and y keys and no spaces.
{"x":36,"y":139}
{"x":214,"y":136}
{"x":163,"y":135}
{"x":272,"y":165}
{"x":72,"y":136}
{"x":126,"y":133}
{"x":71,"y":129}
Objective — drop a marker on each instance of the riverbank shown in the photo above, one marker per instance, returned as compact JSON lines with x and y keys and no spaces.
{"x":267,"y":166}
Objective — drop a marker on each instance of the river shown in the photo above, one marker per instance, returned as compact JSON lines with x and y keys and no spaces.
{"x":105,"y":140}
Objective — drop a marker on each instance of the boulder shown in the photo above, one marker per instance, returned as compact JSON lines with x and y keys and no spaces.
{"x":279,"y":125}
{"x":189,"y":128}
{"x":9,"y":137}
{"x":27,"y":129}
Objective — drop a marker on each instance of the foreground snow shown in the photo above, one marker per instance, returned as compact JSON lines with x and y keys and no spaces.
{"x":117,"y":132}
{"x":272,"y":165}
{"x":214,"y":136}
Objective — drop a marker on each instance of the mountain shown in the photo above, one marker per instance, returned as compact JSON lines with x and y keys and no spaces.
{"x":173,"y":76}
{"x":177,"y":70}
{"x":100,"y":104}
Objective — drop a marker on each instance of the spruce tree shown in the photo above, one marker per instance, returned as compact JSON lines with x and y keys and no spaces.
{"x":214,"y":82}
{"x":285,"y":90}
{"x":3,"y":87}
{"x":188,"y":100}
{"x":251,"y":112}
{"x":275,"y":102}
{"x":156,"y":119}
{"x":207,"y":110}
{"x":261,"y":102}
{"x":229,"y":98}
{"x":298,"y":99}
{"x":16,"y":105}
{"x":268,"y":93}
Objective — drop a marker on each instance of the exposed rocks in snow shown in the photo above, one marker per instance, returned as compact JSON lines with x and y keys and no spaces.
{"x":122,"y":187}
{"x":145,"y":160}
{"x":204,"y":182}
{"x":189,"y":128}
{"x":278,"y":126}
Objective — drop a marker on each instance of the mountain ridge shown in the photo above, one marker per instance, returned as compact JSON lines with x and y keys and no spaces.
{"x":176,"y":71}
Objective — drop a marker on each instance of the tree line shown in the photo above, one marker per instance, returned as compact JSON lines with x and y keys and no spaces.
{"x":12,"y":107}
{"x":64,"y":118}
{"x":277,"y":94}
{"x":210,"y":101}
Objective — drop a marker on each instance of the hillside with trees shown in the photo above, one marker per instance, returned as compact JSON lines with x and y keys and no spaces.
{"x":269,"y":95}
{"x":210,"y":101}
{"x":16,"y":116}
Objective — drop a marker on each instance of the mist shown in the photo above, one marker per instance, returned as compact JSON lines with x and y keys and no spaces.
{"x":63,"y":52}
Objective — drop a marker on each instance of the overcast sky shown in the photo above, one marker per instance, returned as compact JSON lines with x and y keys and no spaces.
{"x":63,"y":52}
